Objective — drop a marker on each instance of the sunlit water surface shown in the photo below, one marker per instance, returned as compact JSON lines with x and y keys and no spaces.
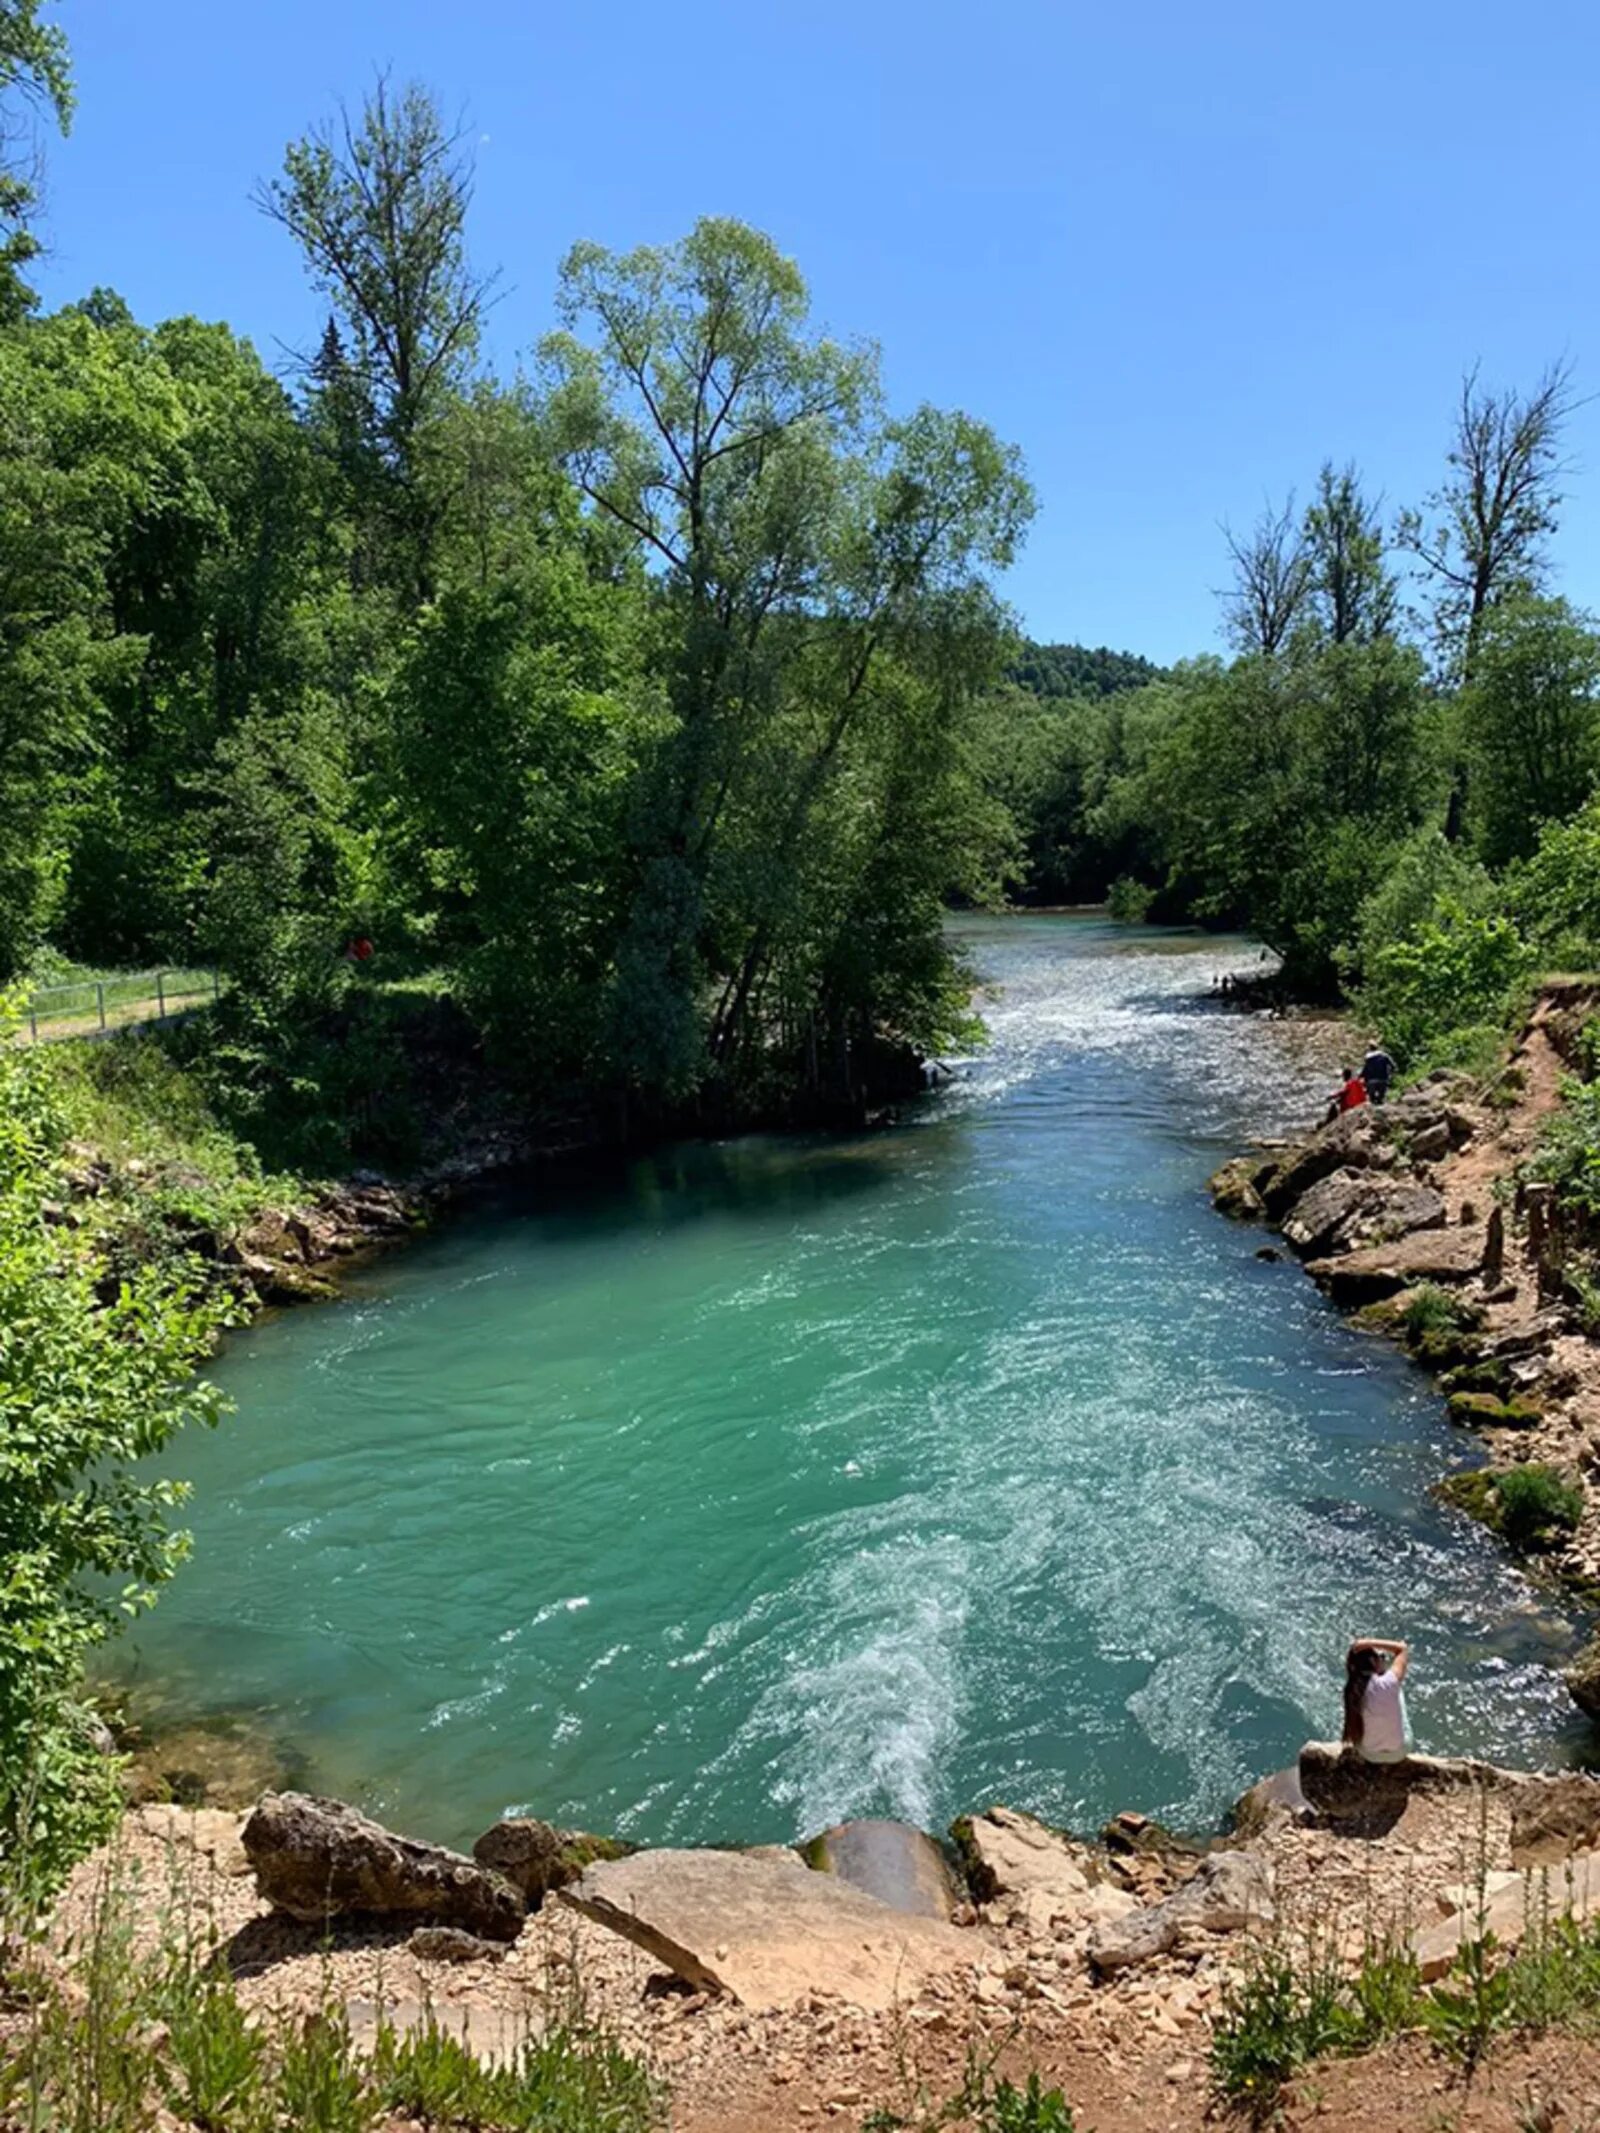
{"x":732,"y":1490}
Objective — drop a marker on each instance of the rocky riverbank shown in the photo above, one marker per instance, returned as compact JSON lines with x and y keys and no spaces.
{"x":1418,"y":1217}
{"x":772,"y":1996}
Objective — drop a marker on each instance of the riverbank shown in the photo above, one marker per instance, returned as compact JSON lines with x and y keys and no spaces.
{"x":1127,"y":1972}
{"x":1420,"y":1219}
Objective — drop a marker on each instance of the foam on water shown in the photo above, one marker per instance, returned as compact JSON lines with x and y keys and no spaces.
{"x":743,"y":1488}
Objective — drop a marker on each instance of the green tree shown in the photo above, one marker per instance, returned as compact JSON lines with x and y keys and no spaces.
{"x":1530,"y":722}
{"x":379,"y":208}
{"x":1481,"y":536}
{"x":88,"y":1389}
{"x":808,"y":552}
{"x":35,"y":77}
{"x":1353,"y":591}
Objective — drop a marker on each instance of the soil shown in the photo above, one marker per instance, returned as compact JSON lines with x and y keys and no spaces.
{"x":1129,"y":2052}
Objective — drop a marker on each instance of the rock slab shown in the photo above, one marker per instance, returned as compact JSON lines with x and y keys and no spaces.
{"x":318,"y":1859}
{"x":1229,"y":1892}
{"x":1039,"y":1875}
{"x":762,"y":1934}
{"x":901,"y":1866}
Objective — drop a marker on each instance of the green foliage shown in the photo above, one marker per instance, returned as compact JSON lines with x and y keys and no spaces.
{"x":1534,"y":1502}
{"x":88,"y":1387}
{"x":986,"y":2102}
{"x":1530,"y":719}
{"x":1443,"y":993}
{"x":34,"y":71}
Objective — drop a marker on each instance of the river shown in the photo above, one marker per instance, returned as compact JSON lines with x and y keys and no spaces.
{"x":723,"y":1493}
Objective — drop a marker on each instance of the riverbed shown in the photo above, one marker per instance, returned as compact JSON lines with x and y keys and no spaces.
{"x":722,"y":1493}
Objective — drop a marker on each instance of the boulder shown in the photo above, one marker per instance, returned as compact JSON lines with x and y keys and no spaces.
{"x":1346,"y":1143}
{"x":1436,"y":1255}
{"x":1340,"y":1787}
{"x":764,"y":1935}
{"x":1552,"y":1817}
{"x":209,"y":1833}
{"x":1229,"y":1892}
{"x":538,"y":1858}
{"x":1037,"y":1874}
{"x":1508,"y":1906}
{"x":1233,"y":1189}
{"x":1323,"y":1217}
{"x":318,"y":1859}
{"x":901,"y":1866}
{"x":1583,"y":1679}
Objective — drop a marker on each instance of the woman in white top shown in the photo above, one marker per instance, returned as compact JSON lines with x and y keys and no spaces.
{"x":1374,"y":1708}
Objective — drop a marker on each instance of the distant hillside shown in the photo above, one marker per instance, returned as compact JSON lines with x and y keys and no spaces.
{"x":1073,"y":670}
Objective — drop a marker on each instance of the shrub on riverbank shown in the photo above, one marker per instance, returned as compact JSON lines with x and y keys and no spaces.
{"x":90,"y":1383}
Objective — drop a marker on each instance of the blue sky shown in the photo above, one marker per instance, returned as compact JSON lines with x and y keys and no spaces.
{"x":1179,"y":253}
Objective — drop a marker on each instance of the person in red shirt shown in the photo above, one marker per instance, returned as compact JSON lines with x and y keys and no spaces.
{"x":1354,"y":1091}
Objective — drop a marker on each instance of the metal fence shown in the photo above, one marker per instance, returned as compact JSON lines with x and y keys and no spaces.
{"x":89,"y":1007}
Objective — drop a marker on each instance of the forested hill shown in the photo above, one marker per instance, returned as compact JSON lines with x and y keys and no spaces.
{"x":1050,"y":670}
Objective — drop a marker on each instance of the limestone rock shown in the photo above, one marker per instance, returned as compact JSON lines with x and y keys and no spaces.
{"x":1341,"y":1787}
{"x":1583,"y":1679}
{"x":1441,"y":1255}
{"x":1508,"y":1910}
{"x":1233,"y":1189}
{"x":318,"y":1859}
{"x":537,"y":1858}
{"x":763,"y":1934}
{"x":448,"y":1944}
{"x":1552,"y":1817}
{"x":1346,"y":1143}
{"x":1229,"y":1892}
{"x":901,"y":1866}
{"x":1012,"y":1858}
{"x":208,"y":1832}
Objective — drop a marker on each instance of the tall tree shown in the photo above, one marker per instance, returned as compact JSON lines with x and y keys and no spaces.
{"x":379,"y":207}
{"x":1343,"y":535}
{"x":1272,"y":581}
{"x":1481,"y":536}
{"x":1530,"y":719}
{"x":805,"y":545}
{"x":34,"y":78}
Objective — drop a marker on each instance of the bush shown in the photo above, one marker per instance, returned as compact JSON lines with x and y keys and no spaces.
{"x":88,"y":1388}
{"x":1534,"y":1502}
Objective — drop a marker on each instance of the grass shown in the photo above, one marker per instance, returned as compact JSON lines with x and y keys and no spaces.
{"x":1295,"y":2004}
{"x":1529,"y":1506}
{"x":126,"y":2034}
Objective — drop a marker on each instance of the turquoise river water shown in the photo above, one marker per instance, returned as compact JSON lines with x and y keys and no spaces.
{"x":722,"y":1493}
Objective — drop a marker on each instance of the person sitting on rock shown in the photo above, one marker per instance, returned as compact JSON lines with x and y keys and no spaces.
{"x":1374,"y":1707}
{"x":1377,"y":1071}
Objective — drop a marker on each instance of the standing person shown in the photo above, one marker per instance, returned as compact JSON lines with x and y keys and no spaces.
{"x":1377,"y":1071}
{"x":1374,"y":1707}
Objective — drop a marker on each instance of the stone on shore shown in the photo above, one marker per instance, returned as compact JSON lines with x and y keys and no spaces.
{"x":1376,"y":1270}
{"x":538,"y":1858}
{"x":1034,"y":1872}
{"x":1229,"y":1892}
{"x":319,"y":1859}
{"x":1340,"y":1787}
{"x":1345,"y":1144}
{"x":1350,"y":1205}
{"x":1509,"y":1907}
{"x":901,"y":1866}
{"x":764,"y":1935}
